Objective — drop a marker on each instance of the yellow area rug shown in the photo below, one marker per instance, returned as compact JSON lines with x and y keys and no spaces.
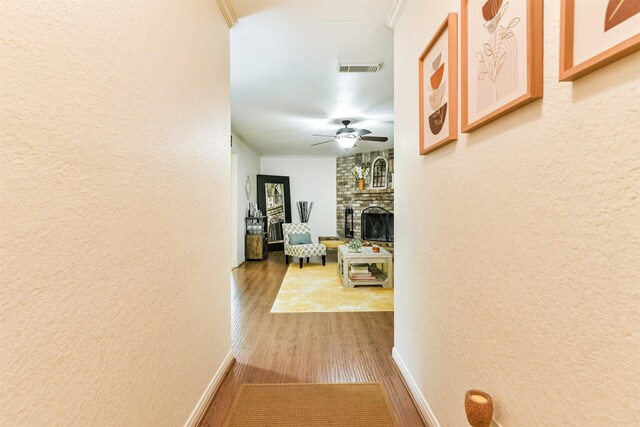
{"x":315,"y":288}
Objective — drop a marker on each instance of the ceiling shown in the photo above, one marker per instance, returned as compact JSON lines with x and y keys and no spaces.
{"x":285,"y":84}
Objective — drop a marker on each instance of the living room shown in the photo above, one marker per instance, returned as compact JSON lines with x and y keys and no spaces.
{"x":328,"y":182}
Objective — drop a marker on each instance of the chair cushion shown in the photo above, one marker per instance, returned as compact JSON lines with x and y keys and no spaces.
{"x":303,"y":251}
{"x":300,"y":239}
{"x":332,"y":243}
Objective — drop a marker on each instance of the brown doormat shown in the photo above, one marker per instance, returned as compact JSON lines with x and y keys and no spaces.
{"x":298,"y":405}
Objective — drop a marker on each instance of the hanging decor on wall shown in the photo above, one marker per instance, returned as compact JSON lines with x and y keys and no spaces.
{"x":596,"y":33}
{"x":247,"y":187}
{"x":379,"y":173}
{"x":360,"y":173}
{"x":438,"y":71}
{"x":501,"y":58}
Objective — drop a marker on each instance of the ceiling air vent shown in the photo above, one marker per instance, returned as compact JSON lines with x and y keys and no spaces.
{"x":371,"y":67}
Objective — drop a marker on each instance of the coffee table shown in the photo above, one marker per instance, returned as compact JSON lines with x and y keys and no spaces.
{"x":383,"y":276}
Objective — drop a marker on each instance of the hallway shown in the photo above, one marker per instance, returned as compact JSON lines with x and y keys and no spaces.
{"x":516,"y":264}
{"x":304,"y":348}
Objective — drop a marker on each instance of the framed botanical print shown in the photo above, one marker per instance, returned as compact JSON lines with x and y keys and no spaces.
{"x":438,"y":80}
{"x":501,"y":58}
{"x":595,"y":33}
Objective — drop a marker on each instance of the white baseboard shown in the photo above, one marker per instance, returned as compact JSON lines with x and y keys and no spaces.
{"x":198,"y":412}
{"x":423,"y":406}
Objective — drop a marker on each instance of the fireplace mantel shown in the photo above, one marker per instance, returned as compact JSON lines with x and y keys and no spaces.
{"x":376,"y":191}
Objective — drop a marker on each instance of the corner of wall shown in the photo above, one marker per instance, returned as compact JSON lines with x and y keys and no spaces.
{"x":427,"y":414}
{"x":197,"y":415}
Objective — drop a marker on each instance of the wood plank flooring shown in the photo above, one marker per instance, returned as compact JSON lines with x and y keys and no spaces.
{"x":304,"y":347}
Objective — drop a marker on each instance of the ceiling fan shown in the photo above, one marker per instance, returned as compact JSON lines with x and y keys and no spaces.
{"x":347,"y":137}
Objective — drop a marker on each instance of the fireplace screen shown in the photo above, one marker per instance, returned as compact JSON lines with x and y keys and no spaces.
{"x":377,"y":224}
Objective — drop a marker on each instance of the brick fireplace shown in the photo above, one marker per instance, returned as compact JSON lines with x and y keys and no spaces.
{"x":348,"y":195}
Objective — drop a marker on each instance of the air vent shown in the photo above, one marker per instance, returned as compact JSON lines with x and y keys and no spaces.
{"x":372,"y":67}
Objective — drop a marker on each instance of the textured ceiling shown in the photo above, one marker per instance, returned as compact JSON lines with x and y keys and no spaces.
{"x":284,"y":80}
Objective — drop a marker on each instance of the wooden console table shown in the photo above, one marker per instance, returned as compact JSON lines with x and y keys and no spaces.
{"x":366,"y":256}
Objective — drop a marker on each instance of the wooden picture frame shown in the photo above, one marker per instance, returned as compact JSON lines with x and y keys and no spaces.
{"x":517,"y":78}
{"x":438,"y":119}
{"x":617,"y":49}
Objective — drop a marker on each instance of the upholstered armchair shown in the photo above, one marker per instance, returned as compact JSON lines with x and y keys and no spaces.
{"x":301,"y":250}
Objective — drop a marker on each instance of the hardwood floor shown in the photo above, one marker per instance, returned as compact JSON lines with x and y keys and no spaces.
{"x":304,"y":347}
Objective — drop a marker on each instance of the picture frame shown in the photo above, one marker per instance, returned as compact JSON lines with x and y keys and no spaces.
{"x":439,"y":110}
{"x":596,"y":34}
{"x":501,"y":56}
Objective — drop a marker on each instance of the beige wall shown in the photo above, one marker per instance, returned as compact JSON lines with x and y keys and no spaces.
{"x":518,"y":247}
{"x":114,"y":203}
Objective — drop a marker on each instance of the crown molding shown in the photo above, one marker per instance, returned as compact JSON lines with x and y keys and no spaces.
{"x":244,"y":141}
{"x":396,"y":12}
{"x":227,"y":12}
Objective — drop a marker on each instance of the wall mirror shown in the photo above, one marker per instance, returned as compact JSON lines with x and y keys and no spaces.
{"x":274,"y":200}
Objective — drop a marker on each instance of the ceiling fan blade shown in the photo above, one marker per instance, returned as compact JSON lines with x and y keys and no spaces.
{"x":362,"y":132}
{"x":326,"y":136}
{"x":375,"y":138}
{"x":323,"y":142}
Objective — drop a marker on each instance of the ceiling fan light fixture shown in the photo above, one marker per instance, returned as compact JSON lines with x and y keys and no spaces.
{"x":348,"y":137}
{"x":346,"y":141}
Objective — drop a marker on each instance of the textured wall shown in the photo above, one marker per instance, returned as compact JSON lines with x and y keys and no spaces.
{"x":114,"y":206}
{"x":311,"y":179}
{"x":518,"y":262}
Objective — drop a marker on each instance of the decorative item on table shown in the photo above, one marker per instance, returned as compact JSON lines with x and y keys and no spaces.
{"x":252,"y":210}
{"x":366,"y":244}
{"x":355,"y":245}
{"x":478,"y":406}
{"x":360,"y":173}
{"x":375,"y":249}
{"x":304,"y":210}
